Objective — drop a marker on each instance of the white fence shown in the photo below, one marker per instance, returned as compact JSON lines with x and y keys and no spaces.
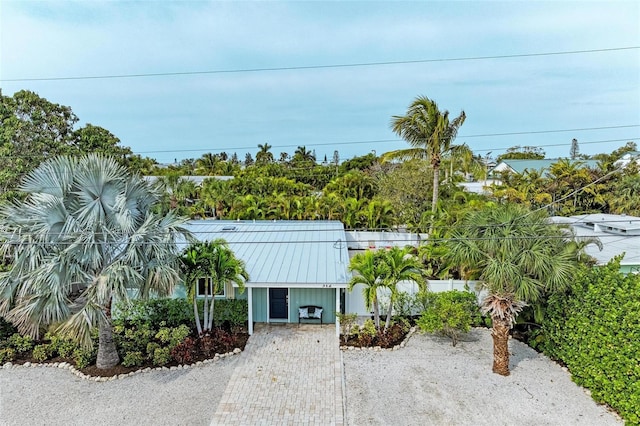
{"x":355,"y":300}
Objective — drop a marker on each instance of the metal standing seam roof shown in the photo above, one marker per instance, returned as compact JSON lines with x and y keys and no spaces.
{"x":284,"y":253}
{"x":617,"y":233}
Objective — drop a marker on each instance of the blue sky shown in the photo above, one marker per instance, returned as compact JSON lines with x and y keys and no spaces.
{"x":346,"y":109}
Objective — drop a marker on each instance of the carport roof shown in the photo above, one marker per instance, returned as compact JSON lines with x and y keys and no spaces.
{"x":308,"y":254}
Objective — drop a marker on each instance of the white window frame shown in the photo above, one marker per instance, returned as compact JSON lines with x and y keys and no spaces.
{"x":203,"y":280}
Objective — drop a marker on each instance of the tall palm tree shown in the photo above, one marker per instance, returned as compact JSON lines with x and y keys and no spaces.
{"x":217,"y":265}
{"x":370,"y":272}
{"x":519,"y":257}
{"x":430,"y":134}
{"x":85,"y":234}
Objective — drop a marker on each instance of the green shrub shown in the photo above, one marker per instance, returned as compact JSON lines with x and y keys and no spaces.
{"x":367,"y":332}
{"x":83,"y":357}
{"x":161,"y":356}
{"x":154,"y":313}
{"x":404,"y":304}
{"x":20,"y":343}
{"x":232,"y":310}
{"x":449,"y":313}
{"x":59,"y":345}
{"x":151,"y":349}
{"x":172,"y":337}
{"x":7,"y":355}
{"x":133,"y":359}
{"x":41,"y":353}
{"x":347,"y":321}
{"x":595,"y":330}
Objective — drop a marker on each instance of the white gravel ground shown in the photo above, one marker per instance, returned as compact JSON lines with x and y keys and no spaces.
{"x":50,"y":396}
{"x":429,"y":382}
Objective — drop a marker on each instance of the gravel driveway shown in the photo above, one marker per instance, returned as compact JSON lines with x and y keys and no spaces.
{"x":428,"y":382}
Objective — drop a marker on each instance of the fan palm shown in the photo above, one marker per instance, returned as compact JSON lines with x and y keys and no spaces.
{"x":519,"y":256}
{"x":85,"y":234}
{"x":430,"y":134}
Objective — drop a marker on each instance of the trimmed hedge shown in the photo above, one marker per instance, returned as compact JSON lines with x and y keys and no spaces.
{"x":595,"y":331}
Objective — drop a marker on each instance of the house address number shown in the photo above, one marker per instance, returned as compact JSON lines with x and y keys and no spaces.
{"x":327,"y":285}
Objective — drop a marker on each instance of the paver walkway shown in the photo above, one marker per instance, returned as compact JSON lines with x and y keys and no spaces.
{"x":291,"y":375}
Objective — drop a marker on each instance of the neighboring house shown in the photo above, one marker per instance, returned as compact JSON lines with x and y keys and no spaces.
{"x":627,"y":158}
{"x":619,"y":234}
{"x":290,"y":264}
{"x":520,"y":166}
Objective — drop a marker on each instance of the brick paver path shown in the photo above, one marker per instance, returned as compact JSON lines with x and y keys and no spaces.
{"x":291,"y":376}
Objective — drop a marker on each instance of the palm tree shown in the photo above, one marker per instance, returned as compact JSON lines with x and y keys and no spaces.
{"x":519,"y":256}
{"x":302,"y":155}
{"x":399,"y":265}
{"x":85,"y":234}
{"x":216,"y":264}
{"x":264,"y":156}
{"x":430,"y":134}
{"x":370,"y":274}
{"x":207,"y":165}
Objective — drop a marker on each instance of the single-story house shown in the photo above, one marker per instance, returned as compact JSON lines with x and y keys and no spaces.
{"x":619,"y":234}
{"x":520,"y":166}
{"x":290,"y":264}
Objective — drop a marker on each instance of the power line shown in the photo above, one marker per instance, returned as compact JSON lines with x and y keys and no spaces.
{"x":329,"y":66}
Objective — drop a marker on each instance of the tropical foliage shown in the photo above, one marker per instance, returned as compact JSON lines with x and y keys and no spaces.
{"x":594,"y":329}
{"x":520,"y":258}
{"x":84,"y":236}
{"x":214,"y":264}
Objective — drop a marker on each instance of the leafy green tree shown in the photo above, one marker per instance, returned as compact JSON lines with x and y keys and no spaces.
{"x":84,"y":235}
{"x":522,"y":153}
{"x":519,"y":257}
{"x":430,"y":134}
{"x":406,"y":186}
{"x":362,"y":162}
{"x":216,"y":264}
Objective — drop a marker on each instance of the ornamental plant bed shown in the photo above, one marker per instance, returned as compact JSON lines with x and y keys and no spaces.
{"x":202,"y":349}
{"x":385,"y":339}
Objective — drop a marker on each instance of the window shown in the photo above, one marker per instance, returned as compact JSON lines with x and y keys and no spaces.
{"x":202,"y":282}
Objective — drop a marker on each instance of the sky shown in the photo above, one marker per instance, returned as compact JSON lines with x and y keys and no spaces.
{"x":249,"y":99}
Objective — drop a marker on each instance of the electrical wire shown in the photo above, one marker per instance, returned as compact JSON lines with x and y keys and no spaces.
{"x":316,"y":67}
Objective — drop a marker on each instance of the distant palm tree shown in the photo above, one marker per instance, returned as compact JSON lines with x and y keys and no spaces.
{"x":301,"y":154}
{"x":85,"y":234}
{"x":264,"y":156}
{"x":207,"y":165}
{"x":430,"y":134}
{"x":519,"y":257}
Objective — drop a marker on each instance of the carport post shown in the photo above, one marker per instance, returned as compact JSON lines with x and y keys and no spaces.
{"x":250,"y":308}
{"x":338,"y":310}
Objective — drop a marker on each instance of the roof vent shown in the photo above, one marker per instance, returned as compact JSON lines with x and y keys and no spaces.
{"x":229,"y":228}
